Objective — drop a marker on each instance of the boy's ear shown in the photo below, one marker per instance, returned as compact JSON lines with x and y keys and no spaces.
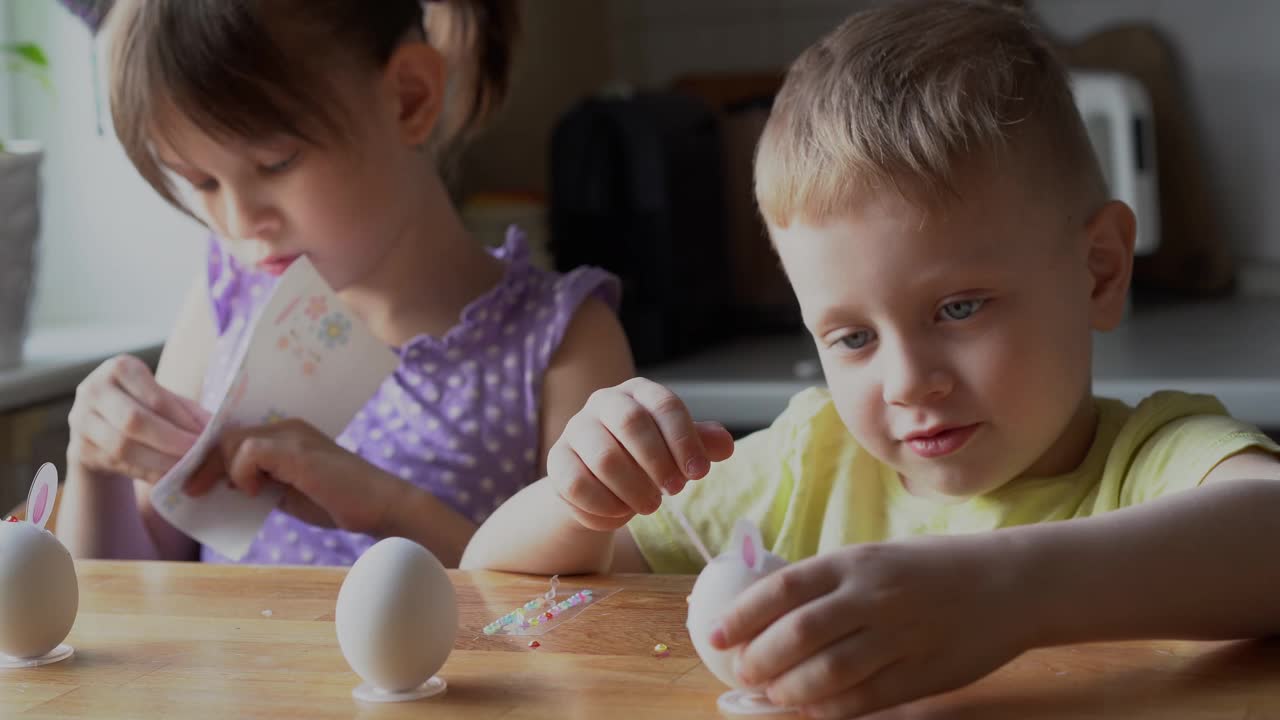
{"x":415,"y":82}
{"x":1110,"y":236}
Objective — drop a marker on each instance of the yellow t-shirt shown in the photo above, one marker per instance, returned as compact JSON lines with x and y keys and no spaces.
{"x":811,"y":488}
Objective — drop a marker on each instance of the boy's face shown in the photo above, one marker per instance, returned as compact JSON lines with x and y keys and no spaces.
{"x":956,"y":341}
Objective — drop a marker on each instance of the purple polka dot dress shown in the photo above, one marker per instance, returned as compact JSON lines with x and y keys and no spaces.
{"x":459,"y":416}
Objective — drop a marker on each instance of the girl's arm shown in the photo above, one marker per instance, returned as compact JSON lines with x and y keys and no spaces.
{"x":534,"y":531}
{"x":109,"y":515}
{"x":594,"y":355}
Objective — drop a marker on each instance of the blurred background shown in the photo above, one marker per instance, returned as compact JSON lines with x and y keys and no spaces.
{"x":627,"y":143}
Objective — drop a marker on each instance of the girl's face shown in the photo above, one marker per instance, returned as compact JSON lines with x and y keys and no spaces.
{"x":346,"y":204}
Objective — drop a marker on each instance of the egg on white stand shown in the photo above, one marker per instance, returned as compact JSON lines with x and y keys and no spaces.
{"x":39,"y":596}
{"x":714,"y":592}
{"x":396,"y":619}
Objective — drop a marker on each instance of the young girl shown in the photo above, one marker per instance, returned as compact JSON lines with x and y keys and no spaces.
{"x":297,"y":127}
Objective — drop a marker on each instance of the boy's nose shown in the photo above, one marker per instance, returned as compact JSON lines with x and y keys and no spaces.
{"x":911,"y":378}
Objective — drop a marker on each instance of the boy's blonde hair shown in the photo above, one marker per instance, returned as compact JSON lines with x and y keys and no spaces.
{"x":907,"y":97}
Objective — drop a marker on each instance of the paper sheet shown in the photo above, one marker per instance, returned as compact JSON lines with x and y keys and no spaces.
{"x":306,"y":357}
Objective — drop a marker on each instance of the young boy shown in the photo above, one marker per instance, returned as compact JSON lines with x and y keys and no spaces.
{"x":931,"y":191}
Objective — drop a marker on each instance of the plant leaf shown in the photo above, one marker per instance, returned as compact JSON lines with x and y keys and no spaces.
{"x":29,"y":52}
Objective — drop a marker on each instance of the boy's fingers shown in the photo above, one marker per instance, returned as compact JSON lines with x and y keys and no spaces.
{"x":613,"y":466}
{"x":821,"y":676}
{"x":768,"y":599}
{"x":636,"y":430}
{"x":578,"y":487}
{"x":675,"y":423}
{"x":717,"y":440}
{"x":796,"y":637}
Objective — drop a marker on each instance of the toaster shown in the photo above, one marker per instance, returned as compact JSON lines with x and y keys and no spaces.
{"x":1116,"y":109}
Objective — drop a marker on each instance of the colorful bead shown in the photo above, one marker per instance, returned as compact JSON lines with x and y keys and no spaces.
{"x":535,"y":644}
{"x":661,"y":650}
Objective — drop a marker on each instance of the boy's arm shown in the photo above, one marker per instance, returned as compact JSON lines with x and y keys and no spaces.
{"x":535,"y":532}
{"x":1199,"y":564}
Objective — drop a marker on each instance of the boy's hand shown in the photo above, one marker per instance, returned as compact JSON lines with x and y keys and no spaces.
{"x":123,"y":422}
{"x":324,"y":484}
{"x":872,"y":626}
{"x":628,"y":444}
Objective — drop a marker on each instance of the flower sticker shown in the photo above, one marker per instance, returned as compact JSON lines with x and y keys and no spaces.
{"x":283,"y":342}
{"x":335,"y":330}
{"x":316,"y":308}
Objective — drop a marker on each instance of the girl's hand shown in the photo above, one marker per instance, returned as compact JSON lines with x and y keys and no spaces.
{"x":324,"y":484}
{"x":628,"y":443}
{"x":872,"y":626}
{"x":123,"y":422}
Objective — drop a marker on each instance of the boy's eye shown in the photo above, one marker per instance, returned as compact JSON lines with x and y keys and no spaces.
{"x":856,"y":340}
{"x":206,"y":185}
{"x":282,"y":165}
{"x":961,"y":309}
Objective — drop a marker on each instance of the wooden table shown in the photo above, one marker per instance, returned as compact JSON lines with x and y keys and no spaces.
{"x":160,"y":640}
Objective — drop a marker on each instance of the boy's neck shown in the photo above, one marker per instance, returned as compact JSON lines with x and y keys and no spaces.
{"x":1072,"y":446}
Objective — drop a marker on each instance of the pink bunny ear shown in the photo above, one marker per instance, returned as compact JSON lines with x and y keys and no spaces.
{"x":749,"y":544}
{"x":44,"y":492}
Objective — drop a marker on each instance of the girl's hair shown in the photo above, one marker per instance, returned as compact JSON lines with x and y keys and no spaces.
{"x":254,"y":69}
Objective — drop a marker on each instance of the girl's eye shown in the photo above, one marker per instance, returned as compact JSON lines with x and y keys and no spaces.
{"x":856,"y":340}
{"x":282,"y":165}
{"x":206,"y":186}
{"x":961,"y":309}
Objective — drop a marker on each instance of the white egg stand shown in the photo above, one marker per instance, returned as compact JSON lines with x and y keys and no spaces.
{"x":39,"y":596}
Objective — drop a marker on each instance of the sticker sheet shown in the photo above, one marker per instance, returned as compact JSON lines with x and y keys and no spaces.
{"x":306,"y":357}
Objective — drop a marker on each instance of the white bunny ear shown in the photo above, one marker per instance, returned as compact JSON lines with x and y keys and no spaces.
{"x":747,"y":544}
{"x":44,"y":492}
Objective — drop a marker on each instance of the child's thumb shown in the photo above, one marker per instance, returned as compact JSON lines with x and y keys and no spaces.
{"x":716,"y":440}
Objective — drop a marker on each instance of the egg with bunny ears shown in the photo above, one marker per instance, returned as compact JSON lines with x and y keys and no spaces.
{"x":39,"y":595}
{"x":718,"y":586}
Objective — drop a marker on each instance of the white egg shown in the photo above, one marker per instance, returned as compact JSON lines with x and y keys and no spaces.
{"x":397,"y":615}
{"x":39,"y":595}
{"x":717,"y":587}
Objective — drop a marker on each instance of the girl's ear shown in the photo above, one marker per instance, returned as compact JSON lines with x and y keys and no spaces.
{"x":415,"y":83}
{"x":747,"y":544}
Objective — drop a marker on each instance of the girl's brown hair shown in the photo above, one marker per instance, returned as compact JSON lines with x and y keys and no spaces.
{"x":254,"y":69}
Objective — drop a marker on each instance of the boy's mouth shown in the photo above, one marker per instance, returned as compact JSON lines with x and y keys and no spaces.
{"x":939,"y":442}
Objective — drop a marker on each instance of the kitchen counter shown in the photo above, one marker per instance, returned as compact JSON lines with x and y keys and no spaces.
{"x":57,"y":359}
{"x":1228,"y":348}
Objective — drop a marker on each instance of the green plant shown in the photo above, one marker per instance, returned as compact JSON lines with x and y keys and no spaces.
{"x":26,"y":58}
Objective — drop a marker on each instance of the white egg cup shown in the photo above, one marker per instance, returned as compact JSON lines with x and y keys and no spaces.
{"x":368,"y":693}
{"x":396,"y":620}
{"x":39,"y":595}
{"x":717,"y":587}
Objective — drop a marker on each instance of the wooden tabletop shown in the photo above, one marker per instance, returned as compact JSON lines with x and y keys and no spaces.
{"x":162,"y":640}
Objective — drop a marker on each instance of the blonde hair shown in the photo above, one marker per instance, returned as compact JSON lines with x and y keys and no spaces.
{"x":907,"y":97}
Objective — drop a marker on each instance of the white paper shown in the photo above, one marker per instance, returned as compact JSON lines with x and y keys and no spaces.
{"x":306,"y":357}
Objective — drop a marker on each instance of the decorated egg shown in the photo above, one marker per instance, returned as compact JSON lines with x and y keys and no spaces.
{"x":716,"y":589}
{"x":397,"y":617}
{"x":39,"y":595}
